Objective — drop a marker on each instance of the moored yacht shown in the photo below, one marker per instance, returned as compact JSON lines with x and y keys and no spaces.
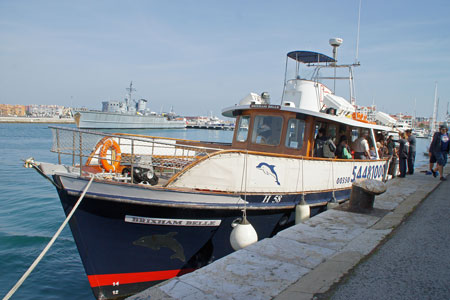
{"x":160,"y":207}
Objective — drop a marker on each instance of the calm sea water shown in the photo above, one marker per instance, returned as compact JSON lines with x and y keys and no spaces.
{"x":30,"y":213}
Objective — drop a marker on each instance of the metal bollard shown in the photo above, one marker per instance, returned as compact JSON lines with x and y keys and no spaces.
{"x":363,"y":195}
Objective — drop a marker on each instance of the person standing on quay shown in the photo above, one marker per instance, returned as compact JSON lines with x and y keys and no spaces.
{"x":392,"y":153}
{"x":411,"y":151}
{"x":403,"y":154}
{"x":439,"y":149}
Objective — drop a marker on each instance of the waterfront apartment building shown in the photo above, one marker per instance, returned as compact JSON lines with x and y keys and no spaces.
{"x":39,"y":110}
{"x":408,"y":120}
{"x":369,"y":111}
{"x":34,"y":110}
{"x":12,"y":110}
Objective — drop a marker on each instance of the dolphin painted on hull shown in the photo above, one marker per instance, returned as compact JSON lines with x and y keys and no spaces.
{"x":268,"y":170}
{"x":156,"y":241}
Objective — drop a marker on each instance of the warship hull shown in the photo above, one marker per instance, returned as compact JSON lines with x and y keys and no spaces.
{"x":107,"y":120}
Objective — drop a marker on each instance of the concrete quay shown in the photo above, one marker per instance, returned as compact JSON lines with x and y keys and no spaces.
{"x":308,"y":260}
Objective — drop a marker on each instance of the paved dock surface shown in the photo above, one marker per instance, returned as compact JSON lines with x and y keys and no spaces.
{"x":414,"y":263}
{"x":338,"y":254}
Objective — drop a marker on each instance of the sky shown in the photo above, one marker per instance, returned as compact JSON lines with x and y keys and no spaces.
{"x":201,"y":56}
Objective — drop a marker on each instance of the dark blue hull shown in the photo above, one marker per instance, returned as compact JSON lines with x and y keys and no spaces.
{"x":124,"y":251}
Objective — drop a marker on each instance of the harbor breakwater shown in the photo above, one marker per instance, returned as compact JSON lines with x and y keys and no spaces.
{"x":38,"y":120}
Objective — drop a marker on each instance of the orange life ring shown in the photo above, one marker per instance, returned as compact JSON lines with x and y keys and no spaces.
{"x":115,"y":155}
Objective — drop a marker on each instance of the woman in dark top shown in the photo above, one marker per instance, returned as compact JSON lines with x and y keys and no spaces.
{"x":390,"y":144}
{"x":403,"y":154}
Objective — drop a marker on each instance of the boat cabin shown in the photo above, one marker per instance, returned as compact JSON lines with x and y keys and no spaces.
{"x":307,"y":105}
{"x":284,"y":130}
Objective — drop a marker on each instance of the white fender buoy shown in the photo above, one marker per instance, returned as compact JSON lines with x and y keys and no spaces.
{"x":243,"y":235}
{"x":332,"y":203}
{"x":302,"y":212}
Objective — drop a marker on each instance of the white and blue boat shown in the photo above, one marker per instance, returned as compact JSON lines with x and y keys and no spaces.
{"x":160,"y":207}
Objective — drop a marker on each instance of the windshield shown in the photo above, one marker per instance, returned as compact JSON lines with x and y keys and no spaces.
{"x":267,"y":130}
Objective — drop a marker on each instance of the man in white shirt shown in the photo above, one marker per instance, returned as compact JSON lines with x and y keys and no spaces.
{"x":361,"y":147}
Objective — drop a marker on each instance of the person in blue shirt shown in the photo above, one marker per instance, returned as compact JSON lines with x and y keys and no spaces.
{"x":439,"y":149}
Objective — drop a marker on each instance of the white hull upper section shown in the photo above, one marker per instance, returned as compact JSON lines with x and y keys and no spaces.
{"x":105,"y":120}
{"x":238,"y":172}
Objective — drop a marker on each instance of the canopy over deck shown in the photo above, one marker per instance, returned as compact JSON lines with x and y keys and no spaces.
{"x":310,"y":57}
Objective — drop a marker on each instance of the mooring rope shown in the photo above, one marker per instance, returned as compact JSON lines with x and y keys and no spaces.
{"x":39,"y":258}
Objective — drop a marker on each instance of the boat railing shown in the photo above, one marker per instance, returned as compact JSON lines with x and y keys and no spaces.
{"x":117,"y":154}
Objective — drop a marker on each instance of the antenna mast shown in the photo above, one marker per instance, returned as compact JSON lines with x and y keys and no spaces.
{"x":357,"y":35}
{"x":335,"y":43}
{"x":130,"y":90}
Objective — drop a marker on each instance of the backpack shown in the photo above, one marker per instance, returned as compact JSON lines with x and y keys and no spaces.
{"x":318,"y":148}
{"x":329,"y":148}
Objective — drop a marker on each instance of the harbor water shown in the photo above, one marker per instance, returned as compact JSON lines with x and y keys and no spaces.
{"x":30,"y":213}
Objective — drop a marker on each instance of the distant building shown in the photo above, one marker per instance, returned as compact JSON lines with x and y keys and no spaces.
{"x":9,"y":110}
{"x":422,"y":122}
{"x":369,"y":111}
{"x":34,"y":110}
{"x":49,"y":111}
{"x":408,"y":120}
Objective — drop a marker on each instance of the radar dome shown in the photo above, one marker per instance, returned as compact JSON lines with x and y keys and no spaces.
{"x":336,"y":42}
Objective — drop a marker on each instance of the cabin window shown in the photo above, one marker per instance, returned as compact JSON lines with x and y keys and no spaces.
{"x":267,"y":130}
{"x":295,"y":133}
{"x":355,"y":134}
{"x":242,"y":133}
{"x":317,"y":126}
{"x":331,"y":132}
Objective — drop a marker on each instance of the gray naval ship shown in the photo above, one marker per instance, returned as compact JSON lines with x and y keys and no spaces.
{"x":130,"y":114}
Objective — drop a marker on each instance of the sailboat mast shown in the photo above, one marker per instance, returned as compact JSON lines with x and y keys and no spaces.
{"x":447,"y":117}
{"x":433,"y":124}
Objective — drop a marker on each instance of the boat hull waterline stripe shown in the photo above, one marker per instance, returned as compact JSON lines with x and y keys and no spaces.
{"x":127,"y":278}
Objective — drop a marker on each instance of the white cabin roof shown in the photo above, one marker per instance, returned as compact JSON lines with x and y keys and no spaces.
{"x":230,"y":112}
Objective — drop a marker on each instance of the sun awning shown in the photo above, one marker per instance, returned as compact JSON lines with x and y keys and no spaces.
{"x":310,"y":57}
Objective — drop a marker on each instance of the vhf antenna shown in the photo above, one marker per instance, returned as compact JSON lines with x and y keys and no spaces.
{"x":357,"y":35}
